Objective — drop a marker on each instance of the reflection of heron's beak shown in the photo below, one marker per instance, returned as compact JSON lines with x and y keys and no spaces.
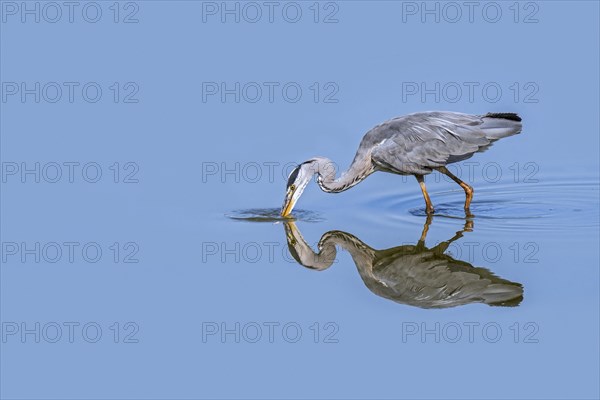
{"x":291,"y":232}
{"x":301,"y":251}
{"x":288,"y":203}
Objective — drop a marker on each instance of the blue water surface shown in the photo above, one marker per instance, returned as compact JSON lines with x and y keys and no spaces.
{"x":145,"y":148}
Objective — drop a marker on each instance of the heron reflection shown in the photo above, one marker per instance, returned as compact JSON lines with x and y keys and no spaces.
{"x":410,"y":274}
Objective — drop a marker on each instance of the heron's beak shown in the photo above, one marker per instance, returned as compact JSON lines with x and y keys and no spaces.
{"x":288,"y":203}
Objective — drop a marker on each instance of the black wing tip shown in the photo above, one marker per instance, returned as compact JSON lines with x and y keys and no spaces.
{"x":509,"y":116}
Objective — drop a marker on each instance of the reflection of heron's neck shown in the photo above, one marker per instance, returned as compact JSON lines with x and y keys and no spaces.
{"x":359,"y":251}
{"x":348,"y":242}
{"x":327,"y":252}
{"x":360,"y":168}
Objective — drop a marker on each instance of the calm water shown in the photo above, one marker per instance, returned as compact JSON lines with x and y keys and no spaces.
{"x":185,"y":283}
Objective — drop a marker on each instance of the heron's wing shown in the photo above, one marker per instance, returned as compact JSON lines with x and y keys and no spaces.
{"x":417,"y":143}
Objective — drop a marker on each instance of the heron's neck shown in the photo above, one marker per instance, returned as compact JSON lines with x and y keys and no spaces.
{"x":360,"y":168}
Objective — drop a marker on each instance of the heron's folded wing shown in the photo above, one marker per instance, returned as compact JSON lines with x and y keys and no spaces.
{"x":416,"y":147}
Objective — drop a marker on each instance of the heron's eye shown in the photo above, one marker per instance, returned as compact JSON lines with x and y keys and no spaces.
{"x":293,"y":187}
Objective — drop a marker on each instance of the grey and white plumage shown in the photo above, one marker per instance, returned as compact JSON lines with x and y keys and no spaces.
{"x":410,"y":274}
{"x":415,"y":144}
{"x":418,"y":143}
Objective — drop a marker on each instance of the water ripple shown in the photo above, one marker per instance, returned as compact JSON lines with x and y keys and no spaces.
{"x":273,"y":215}
{"x":535,"y":207}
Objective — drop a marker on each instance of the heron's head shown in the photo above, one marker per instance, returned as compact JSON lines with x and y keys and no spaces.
{"x":297,"y":181}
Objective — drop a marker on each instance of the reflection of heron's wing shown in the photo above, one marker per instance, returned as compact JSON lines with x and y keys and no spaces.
{"x":425,"y":279}
{"x":410,"y":274}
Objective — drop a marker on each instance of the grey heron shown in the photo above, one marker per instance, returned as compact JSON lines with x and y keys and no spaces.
{"x":414,"y":144}
{"x":410,"y":274}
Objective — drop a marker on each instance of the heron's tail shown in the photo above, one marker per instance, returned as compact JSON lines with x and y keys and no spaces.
{"x":503,"y":294}
{"x":499,"y":125}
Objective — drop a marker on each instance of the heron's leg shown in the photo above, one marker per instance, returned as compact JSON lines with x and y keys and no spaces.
{"x":425,"y":229}
{"x":468,"y":189}
{"x":428,"y":205}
